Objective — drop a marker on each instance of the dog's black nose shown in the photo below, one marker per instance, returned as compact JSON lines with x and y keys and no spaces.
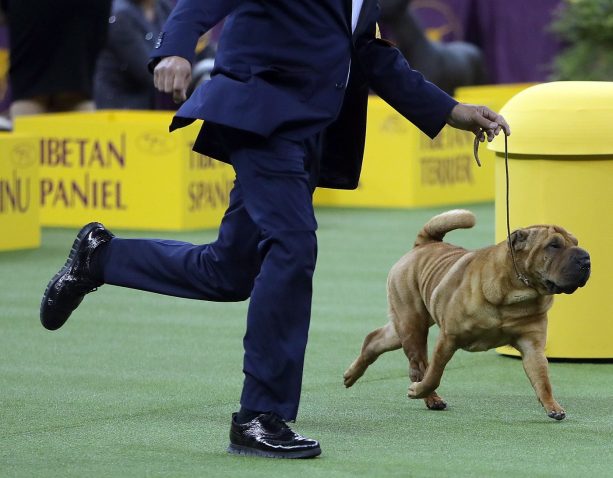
{"x":583,"y":259}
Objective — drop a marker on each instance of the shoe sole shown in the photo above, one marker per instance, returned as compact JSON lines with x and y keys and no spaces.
{"x":247,"y":451}
{"x":73,"y":251}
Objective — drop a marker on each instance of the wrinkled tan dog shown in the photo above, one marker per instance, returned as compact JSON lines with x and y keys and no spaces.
{"x":477,"y":300}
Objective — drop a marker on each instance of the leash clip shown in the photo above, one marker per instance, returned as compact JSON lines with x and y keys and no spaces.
{"x":478,"y":137}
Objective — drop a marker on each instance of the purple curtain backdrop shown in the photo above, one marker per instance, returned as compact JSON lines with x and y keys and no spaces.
{"x":513,"y":35}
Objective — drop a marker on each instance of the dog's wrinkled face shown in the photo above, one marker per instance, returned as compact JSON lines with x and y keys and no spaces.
{"x":549,"y":256}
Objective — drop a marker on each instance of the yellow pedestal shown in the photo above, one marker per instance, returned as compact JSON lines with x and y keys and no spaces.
{"x":19,"y":212}
{"x":404,"y":168}
{"x":124,"y":169}
{"x":566,"y":180}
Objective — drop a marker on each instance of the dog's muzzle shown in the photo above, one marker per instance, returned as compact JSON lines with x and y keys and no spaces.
{"x":573,"y":275}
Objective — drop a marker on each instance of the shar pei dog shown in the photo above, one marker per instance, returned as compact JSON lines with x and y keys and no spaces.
{"x":479,"y":300}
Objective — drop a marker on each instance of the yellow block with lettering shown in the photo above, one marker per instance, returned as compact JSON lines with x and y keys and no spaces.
{"x":404,"y":168}
{"x":19,"y":218}
{"x":124,"y":168}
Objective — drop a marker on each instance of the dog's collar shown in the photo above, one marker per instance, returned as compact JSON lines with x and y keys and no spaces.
{"x":522,"y":277}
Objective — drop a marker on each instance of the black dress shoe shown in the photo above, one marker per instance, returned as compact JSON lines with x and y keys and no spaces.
{"x":66,"y":290}
{"x":269,"y":436}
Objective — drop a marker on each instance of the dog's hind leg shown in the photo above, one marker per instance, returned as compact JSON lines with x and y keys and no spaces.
{"x":377,"y":342}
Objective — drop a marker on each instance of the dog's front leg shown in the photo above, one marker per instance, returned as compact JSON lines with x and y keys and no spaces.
{"x":532,"y":348}
{"x":443,"y":351}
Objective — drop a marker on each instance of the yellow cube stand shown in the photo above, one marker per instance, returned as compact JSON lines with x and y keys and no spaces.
{"x":404,"y":168}
{"x":561,"y":172}
{"x":124,"y":169}
{"x":19,"y":212}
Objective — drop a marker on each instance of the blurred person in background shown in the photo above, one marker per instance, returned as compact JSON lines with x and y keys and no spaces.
{"x":122,"y":80}
{"x":54,"y":45}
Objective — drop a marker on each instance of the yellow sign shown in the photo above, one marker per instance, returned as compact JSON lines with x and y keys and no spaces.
{"x":19,"y":222}
{"x":124,"y":169}
{"x":404,"y":168}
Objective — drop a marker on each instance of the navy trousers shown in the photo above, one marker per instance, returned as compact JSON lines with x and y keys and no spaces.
{"x":266,"y":250}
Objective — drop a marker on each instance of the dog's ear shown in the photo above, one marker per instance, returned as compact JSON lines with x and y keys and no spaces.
{"x":519,"y":239}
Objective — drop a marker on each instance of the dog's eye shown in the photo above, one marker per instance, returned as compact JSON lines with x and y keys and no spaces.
{"x":554,"y":245}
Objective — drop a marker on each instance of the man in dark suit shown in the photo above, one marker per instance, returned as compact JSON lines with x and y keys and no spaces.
{"x":286,"y":107}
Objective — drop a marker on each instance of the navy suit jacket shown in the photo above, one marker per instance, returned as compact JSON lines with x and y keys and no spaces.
{"x":294,"y":68}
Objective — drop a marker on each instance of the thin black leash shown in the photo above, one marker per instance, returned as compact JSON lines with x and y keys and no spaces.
{"x":520,"y":276}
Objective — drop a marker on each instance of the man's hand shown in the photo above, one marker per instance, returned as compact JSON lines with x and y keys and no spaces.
{"x":476,"y":118}
{"x":173,"y":74}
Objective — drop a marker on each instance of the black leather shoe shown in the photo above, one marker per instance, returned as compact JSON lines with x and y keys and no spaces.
{"x":269,"y":436}
{"x":66,"y":290}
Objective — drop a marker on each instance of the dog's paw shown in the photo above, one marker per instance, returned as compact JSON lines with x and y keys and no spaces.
{"x":555,"y":411}
{"x":349,"y":379}
{"x":434,"y":402}
{"x":557,"y":414}
{"x":416,"y":390}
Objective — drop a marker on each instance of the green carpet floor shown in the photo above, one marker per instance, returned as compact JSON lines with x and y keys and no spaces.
{"x":139,"y":384}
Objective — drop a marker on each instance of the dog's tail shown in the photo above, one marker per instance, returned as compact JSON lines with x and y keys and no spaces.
{"x":436,"y":228}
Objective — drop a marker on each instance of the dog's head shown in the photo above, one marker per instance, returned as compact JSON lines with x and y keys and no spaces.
{"x":551,"y":259}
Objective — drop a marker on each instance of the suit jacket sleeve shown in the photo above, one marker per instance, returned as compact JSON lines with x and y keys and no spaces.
{"x":406,"y":90}
{"x":188,"y":21}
